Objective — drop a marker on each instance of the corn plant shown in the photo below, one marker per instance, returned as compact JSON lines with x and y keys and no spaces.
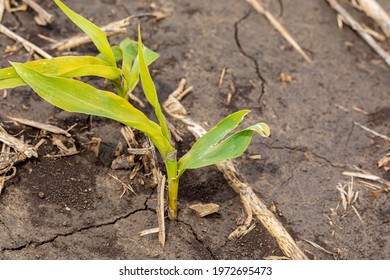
{"x":54,"y":80}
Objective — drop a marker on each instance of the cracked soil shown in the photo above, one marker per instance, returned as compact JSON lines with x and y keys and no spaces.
{"x":70,"y":208}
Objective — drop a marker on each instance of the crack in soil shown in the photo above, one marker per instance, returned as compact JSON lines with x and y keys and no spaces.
{"x":303,"y":149}
{"x":336,"y":165}
{"x":198,"y":239}
{"x":36,"y":244}
{"x":147,"y":200}
{"x":289,"y":178}
{"x":244,"y":53}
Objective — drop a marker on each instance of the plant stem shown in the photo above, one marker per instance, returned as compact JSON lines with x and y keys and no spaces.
{"x":173,"y":188}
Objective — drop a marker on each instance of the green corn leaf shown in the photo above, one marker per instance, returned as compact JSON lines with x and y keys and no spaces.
{"x":76,"y":96}
{"x":107,"y":72}
{"x":211,"y":138}
{"x":130,"y":64}
{"x":209,"y":149}
{"x":150,"y":56}
{"x":11,"y":83}
{"x":117,"y":54}
{"x":130,"y":49}
{"x":128,"y":57}
{"x":66,"y":66}
{"x":149,"y":88}
{"x":97,"y":35}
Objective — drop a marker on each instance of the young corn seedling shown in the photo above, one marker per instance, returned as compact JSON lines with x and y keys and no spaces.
{"x":54,"y":81}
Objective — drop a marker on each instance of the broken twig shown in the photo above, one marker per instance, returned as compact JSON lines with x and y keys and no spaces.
{"x":124,"y":185}
{"x":26,"y":150}
{"x":42,"y":126}
{"x":2,"y":8}
{"x":26,"y":44}
{"x":376,"y":12}
{"x":110,"y":29}
{"x":347,"y":18}
{"x":160,"y":207}
{"x":44,"y":17}
{"x":372,"y":131}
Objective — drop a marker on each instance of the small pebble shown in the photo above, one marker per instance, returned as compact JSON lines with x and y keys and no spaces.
{"x":41,"y":195}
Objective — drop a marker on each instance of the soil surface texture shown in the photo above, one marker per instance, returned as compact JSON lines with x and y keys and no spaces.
{"x":71,"y":208}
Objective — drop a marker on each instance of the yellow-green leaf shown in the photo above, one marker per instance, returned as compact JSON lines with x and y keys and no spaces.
{"x":149,"y":88}
{"x":131,"y":61}
{"x":66,"y":66}
{"x":117,"y":54}
{"x":107,"y":72}
{"x":76,"y":96}
{"x":97,"y":35}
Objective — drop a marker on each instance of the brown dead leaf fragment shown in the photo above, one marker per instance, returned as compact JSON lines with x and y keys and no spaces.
{"x":94,"y":145}
{"x":202,"y":210}
{"x":285,"y":77}
{"x":65,"y":144}
{"x":385,"y":162}
{"x":123,"y":162}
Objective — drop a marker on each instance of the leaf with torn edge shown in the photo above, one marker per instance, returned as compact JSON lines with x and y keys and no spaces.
{"x":211,"y":149}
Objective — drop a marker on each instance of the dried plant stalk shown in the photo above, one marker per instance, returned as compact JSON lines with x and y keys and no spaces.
{"x":347,"y":18}
{"x":26,"y":44}
{"x":2,"y":8}
{"x":44,"y":17}
{"x":376,"y":12}
{"x":42,"y":126}
{"x":160,"y":207}
{"x":113,"y":28}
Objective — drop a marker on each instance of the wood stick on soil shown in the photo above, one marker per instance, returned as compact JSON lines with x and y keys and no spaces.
{"x":110,"y":29}
{"x":26,"y":44}
{"x":124,"y":185}
{"x":2,"y":8}
{"x":43,"y":17}
{"x":252,"y":203}
{"x":19,"y":146}
{"x":160,"y":207}
{"x":47,"y":127}
{"x":376,"y":12}
{"x":372,"y":131}
{"x":367,"y":176}
{"x":347,"y":18}
{"x":4,"y":177}
{"x":279,"y":27}
{"x":160,"y":212}
{"x":221,"y":78}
